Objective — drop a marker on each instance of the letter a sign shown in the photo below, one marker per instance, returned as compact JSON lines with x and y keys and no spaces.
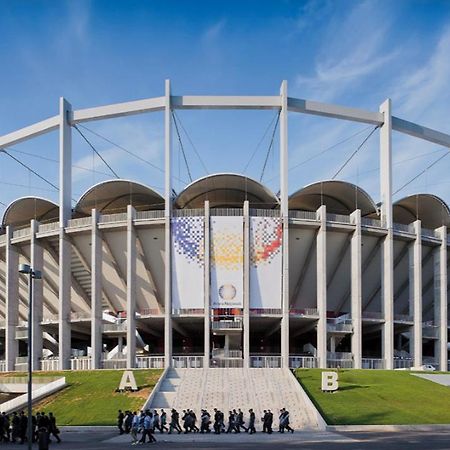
{"x":128,"y":383}
{"x":329,"y":381}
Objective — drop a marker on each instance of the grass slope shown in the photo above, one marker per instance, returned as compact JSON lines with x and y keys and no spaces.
{"x":373,"y":397}
{"x":90,"y":397}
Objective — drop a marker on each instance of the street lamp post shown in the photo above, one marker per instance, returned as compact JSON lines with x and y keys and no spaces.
{"x":32,"y":275}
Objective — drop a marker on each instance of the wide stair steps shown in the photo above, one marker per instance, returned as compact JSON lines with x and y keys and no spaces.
{"x":228,"y":389}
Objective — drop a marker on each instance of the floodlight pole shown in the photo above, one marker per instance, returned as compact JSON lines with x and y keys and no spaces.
{"x":32,"y":275}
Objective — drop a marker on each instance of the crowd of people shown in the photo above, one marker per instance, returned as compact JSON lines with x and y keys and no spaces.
{"x":14,"y":427}
{"x":147,"y":423}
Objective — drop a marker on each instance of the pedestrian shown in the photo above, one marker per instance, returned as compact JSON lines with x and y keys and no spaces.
{"x":269,"y":421}
{"x":163,"y":420}
{"x":264,"y":419}
{"x":23,"y":425}
{"x":285,"y":418}
{"x":134,"y":428}
{"x":43,"y":438}
{"x":120,"y":418}
{"x":53,"y":430}
{"x":205,"y":422}
{"x":174,"y":422}
{"x":127,"y":421}
{"x":156,"y":421}
{"x":251,"y":422}
{"x":240,"y":421}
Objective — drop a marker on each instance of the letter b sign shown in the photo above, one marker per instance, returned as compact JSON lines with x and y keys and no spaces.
{"x":330,"y":381}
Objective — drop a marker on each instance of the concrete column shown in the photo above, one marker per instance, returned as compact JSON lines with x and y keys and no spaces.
{"x":356,"y":288}
{"x":246,"y":330}
{"x":321,"y":261}
{"x":207,"y":323}
{"x":284,"y":209}
{"x":12,"y":301}
{"x":131,"y":288}
{"x":167,"y":217}
{"x":37,"y":262}
{"x":65,"y":250}
{"x":387,"y":253}
{"x":415,"y":293}
{"x":96,"y":293}
{"x":440,"y":299}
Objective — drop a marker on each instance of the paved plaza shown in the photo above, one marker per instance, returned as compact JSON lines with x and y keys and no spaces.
{"x":412,"y":440}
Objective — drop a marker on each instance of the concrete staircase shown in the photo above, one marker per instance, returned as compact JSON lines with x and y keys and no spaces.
{"x":228,"y":389}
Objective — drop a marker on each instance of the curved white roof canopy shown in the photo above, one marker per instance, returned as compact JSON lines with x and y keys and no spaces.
{"x":20,"y":212}
{"x":113,"y":196}
{"x":430,"y":209}
{"x":226,"y":190}
{"x":340,"y":197}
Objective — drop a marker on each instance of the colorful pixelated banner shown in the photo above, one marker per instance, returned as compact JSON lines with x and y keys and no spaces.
{"x":188,"y":248}
{"x":265,"y":262}
{"x":227,"y":258}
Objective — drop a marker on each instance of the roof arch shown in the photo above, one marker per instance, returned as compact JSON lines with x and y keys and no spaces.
{"x":226,"y":190}
{"x":21,"y":211}
{"x":429,"y":208}
{"x":113,"y":196}
{"x":340,"y":197}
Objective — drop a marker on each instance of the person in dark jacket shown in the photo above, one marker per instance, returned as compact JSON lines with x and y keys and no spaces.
{"x":120,"y":418}
{"x":53,"y":429}
{"x":251,"y":424}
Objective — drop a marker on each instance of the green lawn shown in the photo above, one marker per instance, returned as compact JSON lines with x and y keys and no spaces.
{"x":372,"y":397}
{"x":90,"y":397}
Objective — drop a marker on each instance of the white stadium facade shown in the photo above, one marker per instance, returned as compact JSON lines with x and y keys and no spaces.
{"x":226,"y":273}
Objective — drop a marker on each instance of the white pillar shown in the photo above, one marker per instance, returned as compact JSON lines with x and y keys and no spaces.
{"x":96,"y":293}
{"x":167,"y":216}
{"x":12,"y":301}
{"x":207,"y":323}
{"x":356,"y":288}
{"x":131,"y":288}
{"x":440,"y":292}
{"x":246,"y":330}
{"x":37,"y":261}
{"x":65,"y":213}
{"x":284,"y":209}
{"x":387,"y":254}
{"x":321,"y":261}
{"x":415,"y":286}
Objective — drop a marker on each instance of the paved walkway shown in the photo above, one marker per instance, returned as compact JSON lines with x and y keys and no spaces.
{"x":443,"y":379}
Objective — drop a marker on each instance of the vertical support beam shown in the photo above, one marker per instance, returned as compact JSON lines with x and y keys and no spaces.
{"x":387,"y":254}
{"x":12,"y":301}
{"x":321,"y":260}
{"x":37,"y":262}
{"x":284,"y":199}
{"x":65,"y":213}
{"x":356,"y":288}
{"x":167,"y":217}
{"x":415,"y":286}
{"x":96,"y":293}
{"x":246,"y":340}
{"x":207,"y":324}
{"x":440,"y":298}
{"x":131,"y":288}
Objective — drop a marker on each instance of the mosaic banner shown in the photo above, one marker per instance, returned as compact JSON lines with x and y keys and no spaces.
{"x":227,"y":257}
{"x":188,"y":244}
{"x":265,"y":262}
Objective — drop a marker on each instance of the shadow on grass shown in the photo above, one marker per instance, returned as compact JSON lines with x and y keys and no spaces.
{"x":352,"y":386}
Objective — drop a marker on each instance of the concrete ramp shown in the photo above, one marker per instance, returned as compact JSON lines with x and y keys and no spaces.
{"x":228,"y":389}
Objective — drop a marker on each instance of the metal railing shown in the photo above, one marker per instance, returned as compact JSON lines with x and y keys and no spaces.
{"x":112,"y":218}
{"x":340,"y":218}
{"x":81,"y":363}
{"x":226,"y":212}
{"x":264,"y":311}
{"x":150,"y":215}
{"x":367,"y":222}
{"x":339,"y":363}
{"x":187,"y":362}
{"x":302,"y":362}
{"x":2,"y":365}
{"x":403,"y":318}
{"x":222,"y":353}
{"x":403,"y":228}
{"x":150,"y":312}
{"x":150,"y":362}
{"x":403,"y":363}
{"x":340,"y":355}
{"x":81,"y":222}
{"x":188,"y":212}
{"x":372,"y":363}
{"x":114,"y":363}
{"x":259,"y":212}
{"x":49,"y":365}
{"x":47,"y":227}
{"x":226,"y":324}
{"x":219,"y":363}
{"x":188,"y":312}
{"x":23,"y":232}
{"x":428,"y":233}
{"x":314,"y":312}
{"x":304,"y":215}
{"x":265,"y":362}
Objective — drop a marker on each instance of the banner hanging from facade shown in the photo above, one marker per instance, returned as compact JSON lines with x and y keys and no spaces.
{"x":226,"y":260}
{"x":266,"y":235}
{"x":188,"y":262}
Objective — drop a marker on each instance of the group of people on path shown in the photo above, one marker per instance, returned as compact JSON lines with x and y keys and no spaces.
{"x":148,"y":422}
{"x":14,"y":427}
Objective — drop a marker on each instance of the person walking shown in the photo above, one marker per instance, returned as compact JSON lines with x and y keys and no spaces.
{"x":269,"y":421}
{"x":53,"y":429}
{"x":156,"y":421}
{"x":285,"y":417}
{"x":240,"y":421}
{"x":120,"y":417}
{"x":205,"y":419}
{"x":163,"y":420}
{"x":251,"y":423}
{"x":23,"y":425}
{"x":174,"y":422}
{"x":134,"y":428}
{"x":148,"y":428}
{"x":264,"y":419}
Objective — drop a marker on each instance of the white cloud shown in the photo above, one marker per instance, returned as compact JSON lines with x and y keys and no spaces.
{"x":213,"y":32}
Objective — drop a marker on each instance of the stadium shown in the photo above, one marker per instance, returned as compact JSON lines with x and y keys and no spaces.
{"x":226,"y":273}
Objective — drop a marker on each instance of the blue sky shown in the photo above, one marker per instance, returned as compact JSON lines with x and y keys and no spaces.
{"x":355,"y":53}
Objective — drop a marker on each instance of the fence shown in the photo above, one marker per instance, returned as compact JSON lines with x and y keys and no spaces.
{"x":150,"y":362}
{"x":111,"y":218}
{"x":226,"y":324}
{"x":265,"y":212}
{"x":187,"y":362}
{"x":222,"y":353}
{"x":365,"y":221}
{"x":339,"y":363}
{"x":194,"y":212}
{"x":226,"y":363}
{"x":314,"y":312}
{"x":81,"y":222}
{"x":403,"y":363}
{"x":340,"y":218}
{"x":114,"y":363}
{"x":265,"y":362}
{"x":84,"y":363}
{"x":24,"y":232}
{"x":302,"y":362}
{"x":48,"y":227}
{"x":188,"y":312}
{"x":226,"y":212}
{"x":265,"y":311}
{"x":2,"y":365}
{"x":305,"y":215}
{"x":149,"y":215}
{"x":48,"y":365}
{"x":372,"y":363}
